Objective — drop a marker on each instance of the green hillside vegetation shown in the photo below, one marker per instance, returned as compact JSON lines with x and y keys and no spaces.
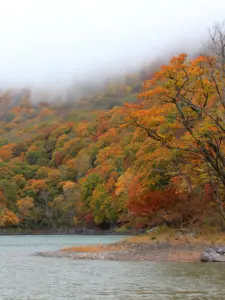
{"x":145,"y":151}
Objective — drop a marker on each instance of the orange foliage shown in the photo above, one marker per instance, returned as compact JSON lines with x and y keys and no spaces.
{"x":8,"y":218}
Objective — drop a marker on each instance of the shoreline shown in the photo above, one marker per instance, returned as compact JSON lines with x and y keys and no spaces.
{"x":161,"y":252}
{"x":123,"y":251}
{"x":169,"y":246}
{"x":159,"y":245}
{"x":68,"y":232}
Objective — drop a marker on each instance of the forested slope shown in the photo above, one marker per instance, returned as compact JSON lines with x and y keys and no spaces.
{"x":158,"y":158}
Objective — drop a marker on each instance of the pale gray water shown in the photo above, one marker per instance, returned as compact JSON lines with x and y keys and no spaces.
{"x":23,"y":276}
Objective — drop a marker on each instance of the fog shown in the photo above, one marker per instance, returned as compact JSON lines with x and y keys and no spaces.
{"x":56,"y":43}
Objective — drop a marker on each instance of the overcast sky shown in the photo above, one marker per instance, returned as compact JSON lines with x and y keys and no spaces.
{"x":51,"y":42}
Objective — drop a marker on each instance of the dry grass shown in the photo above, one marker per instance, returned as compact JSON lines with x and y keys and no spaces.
{"x":176,"y":237}
{"x":93,"y":248}
{"x":173,"y":237}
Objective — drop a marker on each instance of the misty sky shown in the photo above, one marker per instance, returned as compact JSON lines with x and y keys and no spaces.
{"x":52,"y":42}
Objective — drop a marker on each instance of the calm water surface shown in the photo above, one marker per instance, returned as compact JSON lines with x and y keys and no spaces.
{"x":24,"y":276}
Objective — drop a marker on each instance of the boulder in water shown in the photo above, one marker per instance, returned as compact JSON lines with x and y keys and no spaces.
{"x":215,"y":254}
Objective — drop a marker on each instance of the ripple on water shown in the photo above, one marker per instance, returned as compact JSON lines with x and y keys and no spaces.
{"x":27,"y":277}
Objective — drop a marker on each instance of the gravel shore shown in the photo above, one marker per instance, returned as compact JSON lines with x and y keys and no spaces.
{"x":126,"y":251}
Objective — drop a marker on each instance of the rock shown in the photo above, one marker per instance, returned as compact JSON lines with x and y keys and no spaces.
{"x":153,"y":229}
{"x":216,"y":254}
{"x":220,"y":250}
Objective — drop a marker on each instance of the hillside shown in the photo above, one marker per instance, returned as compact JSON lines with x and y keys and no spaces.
{"x":145,"y":151}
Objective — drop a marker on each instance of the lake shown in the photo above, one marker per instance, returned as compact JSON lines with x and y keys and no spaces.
{"x":24,"y":276}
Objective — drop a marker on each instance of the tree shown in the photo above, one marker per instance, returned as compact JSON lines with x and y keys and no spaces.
{"x":25,"y":206}
{"x":8,"y":218}
{"x":186,"y":96}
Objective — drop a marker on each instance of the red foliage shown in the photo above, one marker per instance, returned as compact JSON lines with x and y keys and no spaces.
{"x":144,"y":204}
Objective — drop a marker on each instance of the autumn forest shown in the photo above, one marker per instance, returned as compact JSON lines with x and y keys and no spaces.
{"x":143,"y":151}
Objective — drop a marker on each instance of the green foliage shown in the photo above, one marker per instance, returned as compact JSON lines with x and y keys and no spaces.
{"x":25,"y":169}
{"x":106,"y":162}
{"x":37,"y":157}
